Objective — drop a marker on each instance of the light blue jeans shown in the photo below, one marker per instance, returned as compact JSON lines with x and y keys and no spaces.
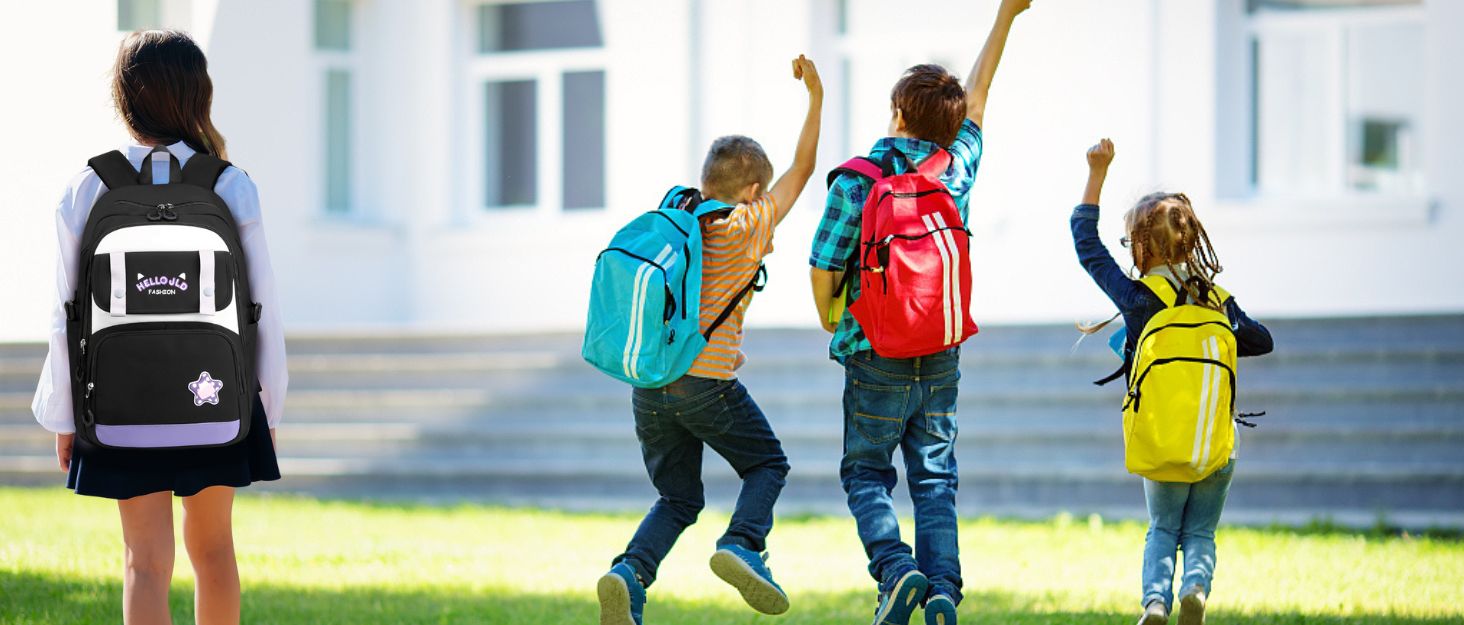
{"x":1182,"y":516}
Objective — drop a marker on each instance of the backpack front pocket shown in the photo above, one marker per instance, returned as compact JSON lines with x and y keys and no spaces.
{"x":155,"y":283}
{"x":166,"y":385}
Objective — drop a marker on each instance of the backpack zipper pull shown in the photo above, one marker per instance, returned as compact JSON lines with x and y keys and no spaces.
{"x":90,"y":386}
{"x":83,"y":347}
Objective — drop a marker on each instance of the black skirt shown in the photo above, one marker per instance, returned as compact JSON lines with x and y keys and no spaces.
{"x":123,"y":474}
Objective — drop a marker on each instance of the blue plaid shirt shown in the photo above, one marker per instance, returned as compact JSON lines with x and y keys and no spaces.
{"x":838,"y":233}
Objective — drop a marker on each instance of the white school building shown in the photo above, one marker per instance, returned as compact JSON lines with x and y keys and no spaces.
{"x":455,"y":165}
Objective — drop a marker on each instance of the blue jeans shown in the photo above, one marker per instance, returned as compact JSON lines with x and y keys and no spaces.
{"x":910,"y":404}
{"x":672,"y":423}
{"x":1182,"y":516}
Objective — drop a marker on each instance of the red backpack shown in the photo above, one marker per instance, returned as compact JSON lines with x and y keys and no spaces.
{"x":913,"y":259}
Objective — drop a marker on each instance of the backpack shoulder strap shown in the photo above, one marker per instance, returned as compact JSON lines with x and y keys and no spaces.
{"x":707,"y":207}
{"x":859,"y":166}
{"x":114,"y":169}
{"x":935,"y":165}
{"x":203,"y":170}
{"x":1162,"y":288}
{"x":1221,"y":295}
{"x":759,"y":280}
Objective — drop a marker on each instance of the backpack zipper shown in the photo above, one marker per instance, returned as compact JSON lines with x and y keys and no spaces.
{"x":1134,"y":394}
{"x":1200,"y":324}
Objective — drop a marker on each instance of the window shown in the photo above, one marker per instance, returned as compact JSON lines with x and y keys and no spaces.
{"x":538,"y":26}
{"x":539,"y":70}
{"x":333,"y":26}
{"x":1336,"y":97}
{"x":151,"y":14}
{"x":139,"y":14}
{"x":337,"y":126}
{"x":584,"y":139}
{"x":510,"y":113}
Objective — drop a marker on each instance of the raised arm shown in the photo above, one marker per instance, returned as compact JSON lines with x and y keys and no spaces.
{"x":1092,"y":254}
{"x":788,"y":187}
{"x":978,"y":84}
{"x":1100,"y":156}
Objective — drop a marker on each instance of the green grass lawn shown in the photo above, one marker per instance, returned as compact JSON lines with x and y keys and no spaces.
{"x":310,"y":561}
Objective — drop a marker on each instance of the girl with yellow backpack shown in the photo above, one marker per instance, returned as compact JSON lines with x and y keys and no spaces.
{"x":1183,"y":335}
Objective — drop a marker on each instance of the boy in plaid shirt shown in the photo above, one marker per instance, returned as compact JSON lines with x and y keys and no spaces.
{"x":906,"y":403}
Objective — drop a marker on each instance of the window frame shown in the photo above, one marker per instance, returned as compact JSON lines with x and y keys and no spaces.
{"x":546,"y":67}
{"x":327,"y":60}
{"x":1332,"y":24}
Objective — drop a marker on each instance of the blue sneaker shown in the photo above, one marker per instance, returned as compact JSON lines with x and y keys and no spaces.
{"x":896,"y":606}
{"x":622,"y":597}
{"x":940,"y":610}
{"x":747,"y":571}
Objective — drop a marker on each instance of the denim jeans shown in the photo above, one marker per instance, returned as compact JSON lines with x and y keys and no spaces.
{"x":672,"y":423}
{"x":909,"y":404}
{"x":1182,"y":516}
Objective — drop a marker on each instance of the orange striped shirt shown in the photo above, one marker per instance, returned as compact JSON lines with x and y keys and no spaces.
{"x":732,"y":250}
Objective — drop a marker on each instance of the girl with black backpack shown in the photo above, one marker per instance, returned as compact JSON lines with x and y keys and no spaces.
{"x":166,"y":371}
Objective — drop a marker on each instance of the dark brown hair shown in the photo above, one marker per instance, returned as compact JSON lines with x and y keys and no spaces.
{"x":733,"y":162}
{"x":932,"y":102}
{"x":161,"y":89}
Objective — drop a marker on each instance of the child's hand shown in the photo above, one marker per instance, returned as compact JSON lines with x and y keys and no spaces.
{"x":804,"y":70}
{"x":1099,"y":156}
{"x":1014,"y":8}
{"x":64,"y":444}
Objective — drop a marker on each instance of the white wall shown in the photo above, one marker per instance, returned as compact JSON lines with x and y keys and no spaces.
{"x":1155,"y":76}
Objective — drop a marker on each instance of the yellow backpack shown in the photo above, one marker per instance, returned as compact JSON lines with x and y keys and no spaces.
{"x":1181,"y":397}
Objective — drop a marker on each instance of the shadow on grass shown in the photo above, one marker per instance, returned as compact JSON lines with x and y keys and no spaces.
{"x":32,"y":599}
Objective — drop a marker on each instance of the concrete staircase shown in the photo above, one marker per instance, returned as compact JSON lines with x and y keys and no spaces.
{"x":1365,"y":420}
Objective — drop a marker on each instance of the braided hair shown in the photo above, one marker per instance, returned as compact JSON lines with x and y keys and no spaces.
{"x":1164,"y":230}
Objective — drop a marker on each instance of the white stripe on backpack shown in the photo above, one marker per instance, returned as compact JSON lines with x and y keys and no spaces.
{"x":945,"y":273}
{"x":1212,"y":348}
{"x":637,"y":311}
{"x":958,"y":320}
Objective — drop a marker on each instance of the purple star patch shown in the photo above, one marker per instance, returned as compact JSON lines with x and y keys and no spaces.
{"x":205,"y":389}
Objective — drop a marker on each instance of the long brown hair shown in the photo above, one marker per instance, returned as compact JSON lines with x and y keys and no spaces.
{"x":1164,"y":230}
{"x":161,"y":89}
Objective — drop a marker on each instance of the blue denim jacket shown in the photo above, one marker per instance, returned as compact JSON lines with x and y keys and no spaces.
{"x":1136,"y":302}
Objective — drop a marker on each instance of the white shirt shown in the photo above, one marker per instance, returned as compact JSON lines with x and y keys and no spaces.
{"x":52,"y":402}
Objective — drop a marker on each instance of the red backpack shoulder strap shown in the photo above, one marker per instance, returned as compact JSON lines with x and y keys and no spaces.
{"x":858,"y":166}
{"x":935,"y":165}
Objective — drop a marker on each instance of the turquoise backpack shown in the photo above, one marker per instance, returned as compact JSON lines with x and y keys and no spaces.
{"x":644,"y":324}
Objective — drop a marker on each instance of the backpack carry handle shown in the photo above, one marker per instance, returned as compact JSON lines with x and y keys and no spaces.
{"x":160,"y":158}
{"x":116,"y":171}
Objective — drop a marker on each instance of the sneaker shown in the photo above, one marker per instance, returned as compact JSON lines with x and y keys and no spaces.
{"x":622,"y":597}
{"x":1154,"y":614}
{"x":940,"y":610}
{"x":747,"y":571}
{"x":896,"y":606}
{"x":1192,"y":607}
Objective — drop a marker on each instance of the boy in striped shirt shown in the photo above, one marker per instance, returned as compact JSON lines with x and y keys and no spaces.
{"x":906,"y":403}
{"x":708,"y":406}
